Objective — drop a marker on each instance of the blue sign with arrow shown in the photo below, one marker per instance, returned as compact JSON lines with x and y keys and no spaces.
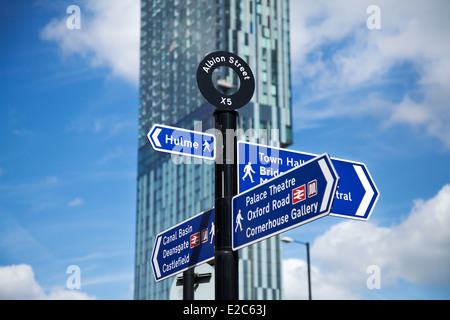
{"x":355,"y":198}
{"x":183,"y":142}
{"x":184,"y":246}
{"x":296,"y":197}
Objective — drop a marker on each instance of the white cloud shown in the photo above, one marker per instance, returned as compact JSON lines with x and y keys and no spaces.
{"x":76,"y":202}
{"x":335,"y":54}
{"x":416,"y":250}
{"x":59,"y":293}
{"x":295,"y":283}
{"x":17,"y":282}
{"x":109,"y":36}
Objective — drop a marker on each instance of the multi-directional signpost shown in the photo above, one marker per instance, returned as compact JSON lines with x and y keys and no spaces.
{"x":355,"y":197}
{"x":260,"y":191}
{"x":196,"y":144}
{"x":296,"y":197}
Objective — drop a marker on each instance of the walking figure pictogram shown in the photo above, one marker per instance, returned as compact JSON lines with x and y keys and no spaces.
{"x":247,"y":170}
{"x":206,"y":146}
{"x":238,"y":221}
{"x":212,"y":232}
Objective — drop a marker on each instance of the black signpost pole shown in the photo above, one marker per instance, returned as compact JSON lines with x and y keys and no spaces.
{"x":188,"y":284}
{"x":226,"y":282}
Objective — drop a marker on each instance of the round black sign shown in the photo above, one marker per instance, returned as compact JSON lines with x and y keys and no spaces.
{"x":205,"y":83}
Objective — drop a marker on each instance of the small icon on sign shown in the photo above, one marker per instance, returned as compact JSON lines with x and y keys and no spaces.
{"x":238,"y":221}
{"x":204,"y":235}
{"x":312,"y":188}
{"x":299,"y":194}
{"x":247,"y":170}
{"x":212,"y":232}
{"x":195,"y":239}
{"x":206,"y":146}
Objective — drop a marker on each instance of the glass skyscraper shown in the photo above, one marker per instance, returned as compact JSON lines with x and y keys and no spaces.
{"x":175,"y":36}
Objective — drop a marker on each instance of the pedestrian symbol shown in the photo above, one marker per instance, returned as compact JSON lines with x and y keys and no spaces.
{"x":212,"y":232}
{"x":247,"y":170}
{"x":238,"y":221}
{"x":206,"y":146}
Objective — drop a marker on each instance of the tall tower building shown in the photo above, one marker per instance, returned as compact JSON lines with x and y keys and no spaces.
{"x":175,"y":36}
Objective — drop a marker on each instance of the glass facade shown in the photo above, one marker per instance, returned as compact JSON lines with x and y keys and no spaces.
{"x":175,"y":36}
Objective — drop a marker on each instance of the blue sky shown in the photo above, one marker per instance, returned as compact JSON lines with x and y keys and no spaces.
{"x":68,"y":135}
{"x":68,"y":160}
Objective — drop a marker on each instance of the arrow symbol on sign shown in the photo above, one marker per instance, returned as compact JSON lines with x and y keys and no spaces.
{"x":329,"y":178}
{"x":368,"y":189}
{"x":155,"y":137}
{"x":155,"y":260}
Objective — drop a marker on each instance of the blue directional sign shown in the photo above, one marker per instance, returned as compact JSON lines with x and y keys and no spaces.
{"x":184,"y":246}
{"x":183,"y":142}
{"x":355,"y":198}
{"x":296,"y":197}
